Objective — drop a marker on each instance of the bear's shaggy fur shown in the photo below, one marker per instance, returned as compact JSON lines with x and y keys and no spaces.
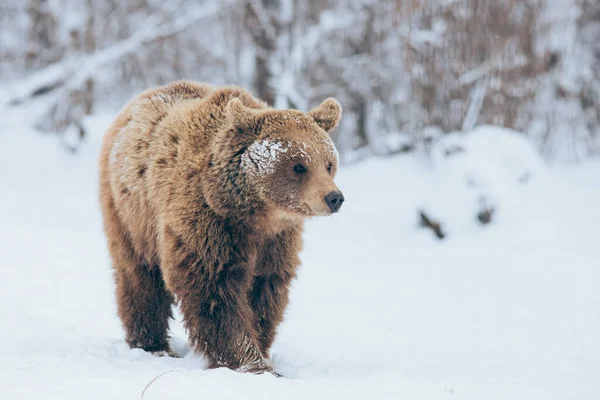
{"x":204,"y":191}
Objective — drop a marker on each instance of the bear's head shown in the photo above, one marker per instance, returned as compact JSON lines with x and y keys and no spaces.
{"x":285,"y":159}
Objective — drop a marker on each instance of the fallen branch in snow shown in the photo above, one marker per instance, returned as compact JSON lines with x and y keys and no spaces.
{"x":435,"y":226}
{"x":155,"y":379}
{"x":39,"y":91}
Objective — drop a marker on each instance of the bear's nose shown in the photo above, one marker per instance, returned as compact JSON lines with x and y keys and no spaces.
{"x":334,"y":200}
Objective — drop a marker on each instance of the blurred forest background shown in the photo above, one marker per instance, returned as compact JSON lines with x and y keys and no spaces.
{"x":405,"y":71}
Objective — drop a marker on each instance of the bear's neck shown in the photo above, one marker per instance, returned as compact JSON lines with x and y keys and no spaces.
{"x":271,"y":222}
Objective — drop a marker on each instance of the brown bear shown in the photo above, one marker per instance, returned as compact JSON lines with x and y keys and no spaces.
{"x":204,"y":191}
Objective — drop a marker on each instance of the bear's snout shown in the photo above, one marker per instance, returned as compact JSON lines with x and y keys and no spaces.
{"x":334,"y":200}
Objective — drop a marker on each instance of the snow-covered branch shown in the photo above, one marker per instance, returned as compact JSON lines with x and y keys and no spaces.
{"x":73,"y":71}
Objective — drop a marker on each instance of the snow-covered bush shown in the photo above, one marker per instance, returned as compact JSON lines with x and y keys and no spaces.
{"x":477,"y":177}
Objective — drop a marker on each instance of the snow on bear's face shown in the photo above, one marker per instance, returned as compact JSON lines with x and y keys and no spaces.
{"x":293,"y":161}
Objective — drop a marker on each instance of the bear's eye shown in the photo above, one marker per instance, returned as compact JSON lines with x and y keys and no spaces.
{"x":330,"y":167}
{"x":299,"y":169}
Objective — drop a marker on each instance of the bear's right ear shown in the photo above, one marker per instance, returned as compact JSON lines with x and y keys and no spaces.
{"x":245,"y":119}
{"x":327,"y":115}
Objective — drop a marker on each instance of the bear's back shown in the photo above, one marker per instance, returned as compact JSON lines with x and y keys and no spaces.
{"x":127,"y":151}
{"x":129,"y":141}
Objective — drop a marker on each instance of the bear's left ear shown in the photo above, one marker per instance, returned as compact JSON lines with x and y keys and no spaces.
{"x":327,"y":115}
{"x":245,"y":119}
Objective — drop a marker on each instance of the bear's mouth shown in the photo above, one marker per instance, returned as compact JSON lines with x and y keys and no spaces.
{"x":309,"y":212}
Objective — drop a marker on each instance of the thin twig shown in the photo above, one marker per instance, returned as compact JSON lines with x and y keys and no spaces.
{"x":155,"y":378}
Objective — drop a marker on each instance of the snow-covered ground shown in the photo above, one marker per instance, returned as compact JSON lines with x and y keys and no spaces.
{"x":381,"y":309}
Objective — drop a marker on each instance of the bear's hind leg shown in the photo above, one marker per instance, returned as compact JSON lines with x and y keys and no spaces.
{"x":145,"y":308}
{"x":143,"y":303}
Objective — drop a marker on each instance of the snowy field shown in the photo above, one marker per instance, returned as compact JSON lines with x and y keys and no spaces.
{"x":381,"y":308}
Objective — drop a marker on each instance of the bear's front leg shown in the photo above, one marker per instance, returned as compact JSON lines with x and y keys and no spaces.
{"x":212,"y":293}
{"x":275,"y":270}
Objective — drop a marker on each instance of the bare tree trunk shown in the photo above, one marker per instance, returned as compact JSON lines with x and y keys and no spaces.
{"x":261,"y":24}
{"x":89,"y":47}
{"x":42,"y":35}
{"x":362,"y":123}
